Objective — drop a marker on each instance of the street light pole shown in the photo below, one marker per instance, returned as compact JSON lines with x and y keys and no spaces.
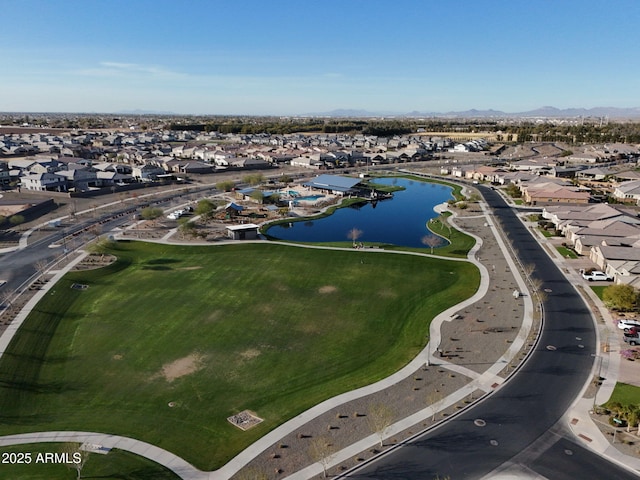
{"x":597,"y":381}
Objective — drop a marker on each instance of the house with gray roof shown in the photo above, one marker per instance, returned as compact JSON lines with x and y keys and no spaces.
{"x":44,"y":182}
{"x":628,"y":192}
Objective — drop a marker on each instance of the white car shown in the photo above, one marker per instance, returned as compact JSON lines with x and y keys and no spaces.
{"x":597,"y":276}
{"x":173,"y":216}
{"x":628,"y":324}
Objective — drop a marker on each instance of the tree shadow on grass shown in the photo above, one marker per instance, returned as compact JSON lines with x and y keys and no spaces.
{"x":162,"y":261}
{"x":37,"y":387}
{"x":148,"y":473}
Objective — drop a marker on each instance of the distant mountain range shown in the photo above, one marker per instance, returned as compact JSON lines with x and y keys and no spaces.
{"x":543,"y":112}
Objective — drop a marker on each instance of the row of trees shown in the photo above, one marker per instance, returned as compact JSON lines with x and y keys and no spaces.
{"x":524,"y":131}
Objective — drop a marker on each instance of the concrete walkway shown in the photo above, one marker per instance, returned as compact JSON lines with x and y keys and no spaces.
{"x":485,"y":381}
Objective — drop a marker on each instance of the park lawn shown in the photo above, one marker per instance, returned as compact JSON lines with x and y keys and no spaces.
{"x":116,"y":465}
{"x":625,"y":394}
{"x":270,"y":328}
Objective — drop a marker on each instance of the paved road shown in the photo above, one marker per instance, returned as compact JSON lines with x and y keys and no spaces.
{"x":521,"y":428}
{"x":18,"y":266}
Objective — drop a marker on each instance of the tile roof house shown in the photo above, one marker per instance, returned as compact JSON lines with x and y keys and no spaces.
{"x":542,"y":193}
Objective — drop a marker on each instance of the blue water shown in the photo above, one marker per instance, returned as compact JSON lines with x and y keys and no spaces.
{"x":399,"y":221}
{"x":310,"y":197}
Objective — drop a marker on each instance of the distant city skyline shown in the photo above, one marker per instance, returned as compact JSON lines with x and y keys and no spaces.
{"x":284,"y":57}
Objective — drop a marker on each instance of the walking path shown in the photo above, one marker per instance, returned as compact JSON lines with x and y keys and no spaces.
{"x":463,"y":381}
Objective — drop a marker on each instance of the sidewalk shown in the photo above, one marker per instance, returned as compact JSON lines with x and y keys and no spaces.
{"x":606,"y":366}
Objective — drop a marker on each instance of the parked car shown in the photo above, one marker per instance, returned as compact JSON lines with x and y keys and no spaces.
{"x":632,"y":338}
{"x":628,"y":324}
{"x":597,"y":276}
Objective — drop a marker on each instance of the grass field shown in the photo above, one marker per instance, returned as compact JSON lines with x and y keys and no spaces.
{"x":116,"y":465}
{"x":169,"y":341}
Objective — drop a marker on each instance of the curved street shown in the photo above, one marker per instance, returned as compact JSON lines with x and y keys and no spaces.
{"x":521,"y":429}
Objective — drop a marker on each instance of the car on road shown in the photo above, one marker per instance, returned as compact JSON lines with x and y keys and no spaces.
{"x":597,"y":276}
{"x":175,"y":215}
{"x":628,"y":324}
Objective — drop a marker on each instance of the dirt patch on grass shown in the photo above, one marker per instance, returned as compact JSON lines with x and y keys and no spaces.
{"x":181,"y":367}
{"x":214,"y":316}
{"x":265,"y":309}
{"x":250,"y":353}
{"x":196,"y":267}
{"x":387,"y":293}
{"x":328,"y":289}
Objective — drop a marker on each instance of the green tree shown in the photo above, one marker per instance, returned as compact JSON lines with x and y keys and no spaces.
{"x":151,"y":213}
{"x":205,"y":208}
{"x":621,"y":297}
{"x":257,"y":195}
{"x":226,"y":185}
{"x":633,"y":417}
{"x":254,"y":179}
{"x":273,"y":198}
{"x":101,"y":246}
{"x":16,"y":220}
{"x":186,"y":227}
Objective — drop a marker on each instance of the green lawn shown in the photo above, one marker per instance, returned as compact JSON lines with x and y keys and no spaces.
{"x":566,"y":253}
{"x":625,"y":394}
{"x":598,"y":290}
{"x":273,"y":329}
{"x":116,"y":465}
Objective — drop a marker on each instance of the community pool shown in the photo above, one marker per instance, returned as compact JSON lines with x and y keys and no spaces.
{"x":309,"y":198}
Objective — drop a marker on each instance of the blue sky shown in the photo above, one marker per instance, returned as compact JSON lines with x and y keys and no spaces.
{"x":286,"y":57}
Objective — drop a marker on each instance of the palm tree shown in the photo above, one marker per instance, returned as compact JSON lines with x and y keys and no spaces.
{"x":632,"y":417}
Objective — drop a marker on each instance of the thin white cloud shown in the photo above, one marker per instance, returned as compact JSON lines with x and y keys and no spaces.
{"x":120,"y":69}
